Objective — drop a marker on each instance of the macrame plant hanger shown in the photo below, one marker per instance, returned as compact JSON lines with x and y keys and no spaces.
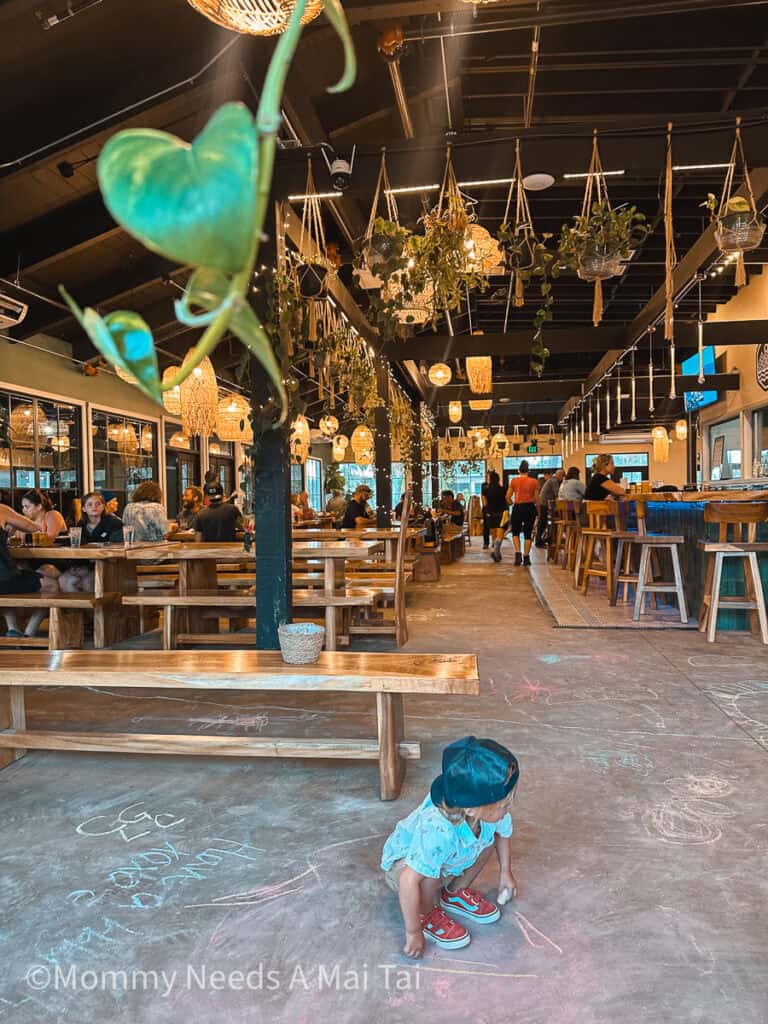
{"x":314,"y":266}
{"x":523,"y":229}
{"x":737,"y":153}
{"x":366,"y":276}
{"x":595,"y":191}
{"x":700,"y":335}
{"x":670,"y":262}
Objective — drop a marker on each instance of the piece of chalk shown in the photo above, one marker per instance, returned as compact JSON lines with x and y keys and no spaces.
{"x":504,"y":896}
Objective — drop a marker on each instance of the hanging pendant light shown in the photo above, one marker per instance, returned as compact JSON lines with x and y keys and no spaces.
{"x":128,"y":443}
{"x":22,"y":426}
{"x":232,"y":419}
{"x":300,"y":439}
{"x":681,"y":430}
{"x":454,"y":412}
{"x":199,"y":399}
{"x":254,"y":17}
{"x":660,"y":444}
{"x":618,"y":395}
{"x":172,"y":398}
{"x":479,"y":374}
{"x":146,"y":439}
{"x":633,"y":391}
{"x":440,"y":374}
{"x":597,"y":410}
{"x":651,"y":406}
{"x":362,"y":444}
{"x":340,"y":445}
{"x":483,"y":250}
{"x":672,"y":382}
{"x":480,"y":404}
{"x":180,"y":440}
{"x":589,"y":417}
{"x":608,"y":404}
{"x":328,"y":425}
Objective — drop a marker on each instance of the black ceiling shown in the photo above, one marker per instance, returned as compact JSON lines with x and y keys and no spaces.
{"x":625,"y":69}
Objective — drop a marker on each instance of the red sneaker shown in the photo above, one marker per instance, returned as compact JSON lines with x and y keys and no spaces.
{"x":471,"y":904}
{"x":440,"y":929}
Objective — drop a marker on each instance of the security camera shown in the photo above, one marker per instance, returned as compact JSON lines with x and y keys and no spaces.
{"x":340,"y":170}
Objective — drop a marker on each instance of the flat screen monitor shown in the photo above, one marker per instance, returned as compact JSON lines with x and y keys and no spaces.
{"x":699,"y":399}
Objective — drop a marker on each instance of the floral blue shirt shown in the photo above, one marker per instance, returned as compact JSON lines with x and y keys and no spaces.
{"x":148,"y":520}
{"x":434,"y":846}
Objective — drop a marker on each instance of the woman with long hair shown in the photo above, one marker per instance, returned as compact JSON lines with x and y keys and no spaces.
{"x":494,"y":507}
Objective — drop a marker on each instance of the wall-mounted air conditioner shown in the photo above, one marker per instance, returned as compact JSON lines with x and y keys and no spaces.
{"x":628,"y":437}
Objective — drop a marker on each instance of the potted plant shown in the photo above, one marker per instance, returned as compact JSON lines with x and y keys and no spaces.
{"x":598,"y":241}
{"x":739,"y":228}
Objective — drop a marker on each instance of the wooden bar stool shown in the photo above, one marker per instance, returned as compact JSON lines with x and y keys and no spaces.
{"x":557,"y":534}
{"x":598,"y":530}
{"x":742,"y":517}
{"x":645,"y":579}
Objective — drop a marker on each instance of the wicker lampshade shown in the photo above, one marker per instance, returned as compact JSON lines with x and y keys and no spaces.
{"x":300,"y":439}
{"x":146,"y":439}
{"x":60,"y":443}
{"x":232,"y":423}
{"x":364,"y":456}
{"x":454,"y":412}
{"x":500,"y":443}
{"x":480,"y":404}
{"x":254,"y":17}
{"x":440,"y":374}
{"x":417,"y":309}
{"x":362,"y":437}
{"x":179,"y":440}
{"x":328,"y":425}
{"x":660,"y":444}
{"x":172,"y":398}
{"x":681,"y":430}
{"x":199,"y":399}
{"x":483,"y":251}
{"x":478,"y":432}
{"x":340,"y":445}
{"x":127,"y":377}
{"x":480,"y":374}
{"x":127,"y":441}
{"x":22,"y":425}
{"x":214,"y":448}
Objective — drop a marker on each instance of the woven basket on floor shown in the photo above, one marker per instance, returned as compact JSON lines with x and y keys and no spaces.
{"x":301,"y":642}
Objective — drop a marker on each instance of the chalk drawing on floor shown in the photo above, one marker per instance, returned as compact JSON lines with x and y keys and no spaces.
{"x":745,"y":702}
{"x":604,"y":762}
{"x":685,"y":818}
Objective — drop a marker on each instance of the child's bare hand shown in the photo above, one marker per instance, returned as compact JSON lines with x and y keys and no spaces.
{"x":507,"y":887}
{"x":414,"y":944}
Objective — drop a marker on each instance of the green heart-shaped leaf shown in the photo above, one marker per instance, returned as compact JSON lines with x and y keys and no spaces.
{"x":125,"y":340}
{"x":192,"y":203}
{"x":209,"y":289}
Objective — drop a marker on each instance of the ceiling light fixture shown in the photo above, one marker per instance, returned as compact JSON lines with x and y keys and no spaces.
{"x":538,"y":182}
{"x":604,"y":174}
{"x":316,"y":195}
{"x":699,"y":167}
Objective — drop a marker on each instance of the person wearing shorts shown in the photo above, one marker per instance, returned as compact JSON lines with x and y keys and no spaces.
{"x":13,"y":579}
{"x":494,"y":508}
{"x":524,"y":492}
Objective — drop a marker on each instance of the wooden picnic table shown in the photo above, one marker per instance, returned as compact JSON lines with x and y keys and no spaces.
{"x":113,"y":576}
{"x":388,"y":535}
{"x":197,"y":566}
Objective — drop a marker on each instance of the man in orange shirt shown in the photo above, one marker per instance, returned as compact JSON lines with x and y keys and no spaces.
{"x":523,"y":491}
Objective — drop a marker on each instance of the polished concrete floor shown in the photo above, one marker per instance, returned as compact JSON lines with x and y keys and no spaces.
{"x":640,"y":842}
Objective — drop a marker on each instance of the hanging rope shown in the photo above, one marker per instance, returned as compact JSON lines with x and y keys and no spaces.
{"x":700,"y":332}
{"x":522,"y":228}
{"x":595,"y":191}
{"x":737,"y":154}
{"x":382,"y":186}
{"x":669,"y":240}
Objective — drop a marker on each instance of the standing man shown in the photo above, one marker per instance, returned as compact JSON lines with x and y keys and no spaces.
{"x":486,"y":521}
{"x":549,"y":491}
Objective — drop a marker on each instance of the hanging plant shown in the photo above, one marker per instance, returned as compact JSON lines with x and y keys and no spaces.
{"x":600,"y":237}
{"x":401,"y":424}
{"x":203,"y":205}
{"x":313,"y":267}
{"x":442,"y":255}
{"x":384,"y":244}
{"x":739,"y":227}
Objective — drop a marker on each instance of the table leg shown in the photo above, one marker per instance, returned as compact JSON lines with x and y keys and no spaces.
{"x":614,"y":591}
{"x":197,"y":574}
{"x":333,"y":572}
{"x":12,"y":716}
{"x":389,"y":713}
{"x":111,"y":579}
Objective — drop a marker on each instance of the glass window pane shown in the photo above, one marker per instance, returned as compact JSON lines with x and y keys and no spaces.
{"x":124,"y":453}
{"x":760,"y":443}
{"x":725,"y":450}
{"x":536,"y":463}
{"x":355,"y":474}
{"x":461,"y":477}
{"x":314,"y":474}
{"x":297,"y":478}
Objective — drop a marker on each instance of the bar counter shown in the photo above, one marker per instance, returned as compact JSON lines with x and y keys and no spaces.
{"x":682,"y":513}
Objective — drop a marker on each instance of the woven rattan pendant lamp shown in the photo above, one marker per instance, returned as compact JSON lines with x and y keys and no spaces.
{"x":254,"y":17}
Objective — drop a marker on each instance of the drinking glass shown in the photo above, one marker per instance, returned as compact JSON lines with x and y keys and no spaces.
{"x":75,"y":536}
{"x":128,"y":535}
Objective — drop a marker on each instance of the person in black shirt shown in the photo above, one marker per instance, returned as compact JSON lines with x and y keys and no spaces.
{"x":218,"y":523}
{"x":358,"y":514}
{"x":98,"y":528}
{"x":494,"y":507}
{"x":601,"y":486}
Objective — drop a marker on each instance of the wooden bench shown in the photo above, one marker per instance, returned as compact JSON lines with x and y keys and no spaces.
{"x":66,"y":618}
{"x":452,"y":548}
{"x":389,"y":676}
{"x":220,"y":601}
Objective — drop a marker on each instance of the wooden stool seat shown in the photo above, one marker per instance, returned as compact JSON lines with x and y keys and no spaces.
{"x":742,"y":517}
{"x":644,"y":581}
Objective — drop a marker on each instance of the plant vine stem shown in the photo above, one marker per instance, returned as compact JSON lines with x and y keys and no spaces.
{"x":267,"y":124}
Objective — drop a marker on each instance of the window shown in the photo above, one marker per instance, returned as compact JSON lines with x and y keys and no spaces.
{"x":124,"y":453}
{"x":725,"y":450}
{"x":297,"y":478}
{"x":462,"y":477}
{"x":221,"y":457}
{"x":314,"y":476}
{"x":356,"y":474}
{"x":182,"y":465}
{"x":398,"y":481}
{"x":426,"y":483}
{"x":45,"y":450}
{"x":632,"y":466}
{"x":760,"y":443}
{"x":536,"y":463}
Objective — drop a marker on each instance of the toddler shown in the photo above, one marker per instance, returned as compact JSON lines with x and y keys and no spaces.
{"x":440,"y":848}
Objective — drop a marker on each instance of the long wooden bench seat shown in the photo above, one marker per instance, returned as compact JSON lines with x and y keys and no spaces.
{"x":388,"y":676}
{"x":66,"y":618}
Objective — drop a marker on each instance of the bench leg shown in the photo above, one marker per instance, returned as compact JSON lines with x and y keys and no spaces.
{"x":169,"y":635}
{"x":706,"y":600}
{"x":65,"y":629}
{"x":389,"y":712}
{"x":12,"y":716}
{"x":758,"y":595}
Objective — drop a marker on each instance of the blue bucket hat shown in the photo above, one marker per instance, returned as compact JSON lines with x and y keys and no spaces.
{"x":475,"y":773}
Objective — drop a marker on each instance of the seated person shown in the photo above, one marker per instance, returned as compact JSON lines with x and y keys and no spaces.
{"x":111,"y":503}
{"x":601,"y":486}
{"x":98,"y":528}
{"x":14,"y":579}
{"x":191,"y":503}
{"x":572,"y":489}
{"x":38,"y":508}
{"x":220,"y":521}
{"x":295,"y":510}
{"x":399,"y":507}
{"x":145,"y":512}
{"x":449,"y":508}
{"x":358,"y":514}
{"x":336,"y":504}
{"x":305,"y":509}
